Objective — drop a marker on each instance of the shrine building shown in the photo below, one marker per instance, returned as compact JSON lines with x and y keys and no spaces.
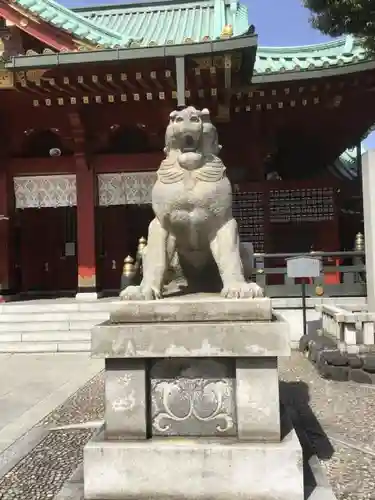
{"x":85,"y":96}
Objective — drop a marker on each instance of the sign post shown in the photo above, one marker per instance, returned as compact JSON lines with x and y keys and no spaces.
{"x":303,"y":267}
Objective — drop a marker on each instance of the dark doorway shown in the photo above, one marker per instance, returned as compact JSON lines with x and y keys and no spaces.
{"x":118,"y":231}
{"x":47,"y":250}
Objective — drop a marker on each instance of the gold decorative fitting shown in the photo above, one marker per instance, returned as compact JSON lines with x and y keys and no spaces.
{"x":319,"y":291}
{"x":98,"y":99}
{"x":80,"y":79}
{"x":111,"y":98}
{"x":24,"y":22}
{"x":187,"y":94}
{"x":287,"y":91}
{"x":136,"y":97}
{"x":316,"y":100}
{"x":129,"y":269}
{"x":292,"y":104}
{"x":149,"y":96}
{"x":35,"y":103}
{"x":248,"y":108}
{"x":73,"y":100}
{"x":274,"y":92}
{"x":227,"y":31}
{"x":85,"y":99}
{"x":48,"y":102}
{"x":142,"y":243}
{"x":213,"y":92}
{"x":138,"y":76}
{"x":123,"y":97}
{"x":280,"y":105}
{"x":162,"y":96}
{"x":60,"y":101}
{"x":304,"y":102}
{"x":237,"y":109}
{"x":108,"y":77}
{"x":153,"y":75}
{"x":200,"y":93}
{"x":174,"y":94}
{"x":359,"y":244}
{"x":95,"y":78}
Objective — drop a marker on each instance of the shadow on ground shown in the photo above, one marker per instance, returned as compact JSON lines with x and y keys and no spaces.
{"x":314,"y":441}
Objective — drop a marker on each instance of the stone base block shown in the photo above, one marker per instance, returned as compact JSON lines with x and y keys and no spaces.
{"x":193,"y":469}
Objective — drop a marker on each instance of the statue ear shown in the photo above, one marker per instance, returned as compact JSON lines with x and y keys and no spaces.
{"x":205,"y":113}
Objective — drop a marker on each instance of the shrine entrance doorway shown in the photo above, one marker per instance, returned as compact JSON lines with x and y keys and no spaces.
{"x":46,"y":229}
{"x":122,"y":218}
{"x":46,"y":255}
{"x":119,"y":229}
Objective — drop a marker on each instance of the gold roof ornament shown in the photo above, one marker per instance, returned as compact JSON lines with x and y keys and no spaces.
{"x":227,"y":31}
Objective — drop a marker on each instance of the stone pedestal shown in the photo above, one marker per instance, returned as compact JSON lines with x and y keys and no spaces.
{"x":192,"y":404}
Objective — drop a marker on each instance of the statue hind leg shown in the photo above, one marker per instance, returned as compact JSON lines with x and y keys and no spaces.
{"x":225,"y":248}
{"x":160,"y":249}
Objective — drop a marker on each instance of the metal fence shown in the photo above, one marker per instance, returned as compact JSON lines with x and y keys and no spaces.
{"x":343,"y":274}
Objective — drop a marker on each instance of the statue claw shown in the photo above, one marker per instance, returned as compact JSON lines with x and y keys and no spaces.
{"x":140,"y":293}
{"x":242,"y":291}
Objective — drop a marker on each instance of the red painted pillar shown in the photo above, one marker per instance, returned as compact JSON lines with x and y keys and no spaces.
{"x":6,"y":253}
{"x":86,"y":251}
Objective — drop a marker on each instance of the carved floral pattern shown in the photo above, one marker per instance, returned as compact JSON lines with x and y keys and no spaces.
{"x":197,"y":401}
{"x":45,"y":191}
{"x":126,"y":188}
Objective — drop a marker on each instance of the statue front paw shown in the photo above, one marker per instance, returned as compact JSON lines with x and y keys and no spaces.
{"x":140,"y":293}
{"x":242,"y":291}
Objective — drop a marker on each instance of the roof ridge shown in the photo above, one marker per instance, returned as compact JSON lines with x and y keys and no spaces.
{"x":141,"y":3}
{"x":348,"y":43}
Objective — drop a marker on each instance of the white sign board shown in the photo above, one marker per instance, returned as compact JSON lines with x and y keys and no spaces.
{"x":303,"y":267}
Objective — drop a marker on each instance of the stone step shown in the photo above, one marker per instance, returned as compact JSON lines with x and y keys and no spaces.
{"x":52,"y":306}
{"x":42,"y":326}
{"x":70,"y":316}
{"x":47,"y":336}
{"x":44,"y":347}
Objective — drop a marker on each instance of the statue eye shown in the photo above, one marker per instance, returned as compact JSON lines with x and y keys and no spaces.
{"x":178,"y":119}
{"x":194,"y":119}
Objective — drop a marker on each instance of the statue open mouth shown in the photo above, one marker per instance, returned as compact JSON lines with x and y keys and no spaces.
{"x":189,"y":144}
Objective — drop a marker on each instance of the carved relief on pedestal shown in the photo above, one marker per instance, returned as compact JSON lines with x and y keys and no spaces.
{"x":193,"y":398}
{"x":125,"y":188}
{"x":45,"y":191}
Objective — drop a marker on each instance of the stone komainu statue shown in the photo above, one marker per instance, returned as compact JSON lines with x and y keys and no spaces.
{"x":192,"y":202}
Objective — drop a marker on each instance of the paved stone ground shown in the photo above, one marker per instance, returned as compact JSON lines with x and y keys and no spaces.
{"x":337,"y":417}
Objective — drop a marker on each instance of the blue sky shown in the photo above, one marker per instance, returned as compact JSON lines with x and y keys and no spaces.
{"x":277,"y":22}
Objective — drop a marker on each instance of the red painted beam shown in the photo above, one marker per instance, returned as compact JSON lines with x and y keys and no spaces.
{"x":42,"y":31}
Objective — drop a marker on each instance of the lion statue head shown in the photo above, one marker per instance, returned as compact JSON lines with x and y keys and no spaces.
{"x":191,"y":136}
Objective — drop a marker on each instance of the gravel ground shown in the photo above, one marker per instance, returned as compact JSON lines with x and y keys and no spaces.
{"x":85,"y":405}
{"x":41,"y":474}
{"x":338,"y":418}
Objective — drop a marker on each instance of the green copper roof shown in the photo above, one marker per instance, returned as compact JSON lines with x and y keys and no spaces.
{"x":144,"y":24}
{"x":61,"y":17}
{"x":161,"y":23}
{"x":175,"y":22}
{"x":309,"y":57}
